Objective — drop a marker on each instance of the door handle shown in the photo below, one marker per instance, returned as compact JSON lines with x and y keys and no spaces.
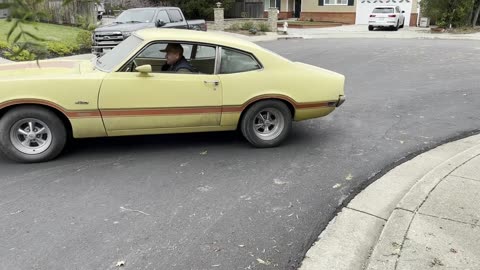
{"x":216,"y":83}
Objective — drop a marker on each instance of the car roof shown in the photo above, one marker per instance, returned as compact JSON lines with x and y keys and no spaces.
{"x":386,"y":6}
{"x":152,"y":34}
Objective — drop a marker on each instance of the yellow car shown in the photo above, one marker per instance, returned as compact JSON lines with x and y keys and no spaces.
{"x":238,"y":85}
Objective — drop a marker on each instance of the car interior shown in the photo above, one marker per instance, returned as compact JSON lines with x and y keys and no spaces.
{"x":201,"y":57}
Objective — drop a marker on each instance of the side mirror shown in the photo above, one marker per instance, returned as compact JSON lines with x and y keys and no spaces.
{"x":144,"y":70}
{"x":160,"y":23}
{"x":403,"y":11}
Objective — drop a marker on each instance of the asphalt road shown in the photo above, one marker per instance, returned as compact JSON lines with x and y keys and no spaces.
{"x":210,"y":201}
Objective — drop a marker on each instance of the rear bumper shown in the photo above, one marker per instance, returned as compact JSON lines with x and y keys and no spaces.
{"x":341,"y":100}
{"x":101,"y":50}
{"x":382,"y":24}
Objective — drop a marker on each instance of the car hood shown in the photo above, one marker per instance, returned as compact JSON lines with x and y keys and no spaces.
{"x":124,"y":27}
{"x":44,"y":68}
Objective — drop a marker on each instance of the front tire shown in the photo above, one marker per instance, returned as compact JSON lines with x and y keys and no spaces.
{"x":266,"y":123}
{"x":30,"y":134}
{"x":370,"y":28}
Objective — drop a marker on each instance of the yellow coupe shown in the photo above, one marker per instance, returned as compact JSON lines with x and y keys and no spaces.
{"x":239,"y":85}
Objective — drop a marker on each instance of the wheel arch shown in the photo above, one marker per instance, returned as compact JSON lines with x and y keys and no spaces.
{"x":57,"y":111}
{"x":286,"y":100}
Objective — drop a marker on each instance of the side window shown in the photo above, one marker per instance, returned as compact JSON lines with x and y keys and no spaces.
{"x":153,"y":51}
{"x":235,"y":61}
{"x":205,"y":52}
{"x":163,"y":16}
{"x":201,"y":58}
{"x":397,"y":9}
{"x":175,"y":15}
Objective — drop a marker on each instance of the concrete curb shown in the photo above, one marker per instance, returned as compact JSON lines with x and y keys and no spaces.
{"x":386,"y":254}
{"x":350,"y":238}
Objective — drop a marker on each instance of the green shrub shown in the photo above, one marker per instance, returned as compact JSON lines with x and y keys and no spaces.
{"x":38,"y":49}
{"x":84,"y":39}
{"x":247,"y":26}
{"x":253,"y":31}
{"x":60,"y":49}
{"x":4,"y":45}
{"x":17,"y":54}
{"x":263,"y":27}
{"x":235,"y":27}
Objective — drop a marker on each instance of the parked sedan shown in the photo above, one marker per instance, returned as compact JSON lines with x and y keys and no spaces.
{"x":239,"y":85}
{"x":386,"y":17}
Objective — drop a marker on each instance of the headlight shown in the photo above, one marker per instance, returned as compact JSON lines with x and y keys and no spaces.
{"x":126,"y":34}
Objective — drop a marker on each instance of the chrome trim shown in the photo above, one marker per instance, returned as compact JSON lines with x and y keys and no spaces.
{"x":341,"y":100}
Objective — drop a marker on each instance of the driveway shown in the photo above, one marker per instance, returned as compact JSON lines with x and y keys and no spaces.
{"x":361,"y":31}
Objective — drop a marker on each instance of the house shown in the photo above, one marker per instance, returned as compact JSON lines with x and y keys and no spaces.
{"x":342,"y":11}
{"x":4,"y":12}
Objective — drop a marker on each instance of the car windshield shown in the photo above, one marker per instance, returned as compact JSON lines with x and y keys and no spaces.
{"x":383,"y":10}
{"x":113,"y":58}
{"x":136,"y":16}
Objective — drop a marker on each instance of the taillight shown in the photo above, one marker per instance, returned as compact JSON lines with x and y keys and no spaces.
{"x":392,"y":16}
{"x":371,"y":16}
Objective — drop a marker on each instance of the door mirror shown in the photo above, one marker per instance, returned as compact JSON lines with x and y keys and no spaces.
{"x":144,"y":70}
{"x":403,"y":11}
{"x":160,"y":23}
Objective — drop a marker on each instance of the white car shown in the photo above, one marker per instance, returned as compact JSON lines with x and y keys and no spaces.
{"x":386,"y":16}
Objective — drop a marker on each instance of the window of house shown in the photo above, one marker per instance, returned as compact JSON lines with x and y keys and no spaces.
{"x":272,"y":4}
{"x":336,"y":2}
{"x":234,"y":61}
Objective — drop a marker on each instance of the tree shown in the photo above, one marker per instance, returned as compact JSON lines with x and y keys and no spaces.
{"x":198,"y":9}
{"x":452,"y":12}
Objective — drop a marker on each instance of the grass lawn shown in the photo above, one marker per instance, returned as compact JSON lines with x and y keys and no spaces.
{"x":51,"y":32}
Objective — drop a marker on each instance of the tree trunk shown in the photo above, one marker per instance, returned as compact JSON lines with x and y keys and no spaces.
{"x":477,"y":12}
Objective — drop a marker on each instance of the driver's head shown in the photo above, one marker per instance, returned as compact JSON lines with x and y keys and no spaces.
{"x":174,"y":52}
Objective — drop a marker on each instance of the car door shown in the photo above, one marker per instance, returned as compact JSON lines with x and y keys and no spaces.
{"x":135,"y":103}
{"x":176,"y":19}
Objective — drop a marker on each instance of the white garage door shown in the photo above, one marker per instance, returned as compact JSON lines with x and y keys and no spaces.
{"x":365,"y":7}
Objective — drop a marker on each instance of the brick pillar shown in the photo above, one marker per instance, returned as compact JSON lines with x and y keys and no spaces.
{"x":273,"y":19}
{"x":218,"y":19}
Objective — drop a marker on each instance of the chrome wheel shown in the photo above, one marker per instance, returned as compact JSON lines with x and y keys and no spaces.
{"x":30,"y":136}
{"x":268,"y":124}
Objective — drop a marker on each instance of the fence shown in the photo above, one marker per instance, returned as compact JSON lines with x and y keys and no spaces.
{"x":75,"y":13}
{"x":246,"y":9}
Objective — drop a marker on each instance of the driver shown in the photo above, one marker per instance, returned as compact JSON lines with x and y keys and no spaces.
{"x":176,"y":62}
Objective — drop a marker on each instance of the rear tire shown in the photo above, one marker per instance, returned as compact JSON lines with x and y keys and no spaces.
{"x":370,"y":28}
{"x":395,"y":28}
{"x":30,"y":134}
{"x":266,"y":123}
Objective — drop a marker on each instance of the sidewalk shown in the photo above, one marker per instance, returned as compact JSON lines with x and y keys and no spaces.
{"x":4,"y":61}
{"x":361,"y":31}
{"x":423,"y":214}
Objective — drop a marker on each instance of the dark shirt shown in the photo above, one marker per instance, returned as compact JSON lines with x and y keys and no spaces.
{"x":181,"y":65}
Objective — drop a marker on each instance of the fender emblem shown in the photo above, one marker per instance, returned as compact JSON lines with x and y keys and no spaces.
{"x":81,"y":102}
